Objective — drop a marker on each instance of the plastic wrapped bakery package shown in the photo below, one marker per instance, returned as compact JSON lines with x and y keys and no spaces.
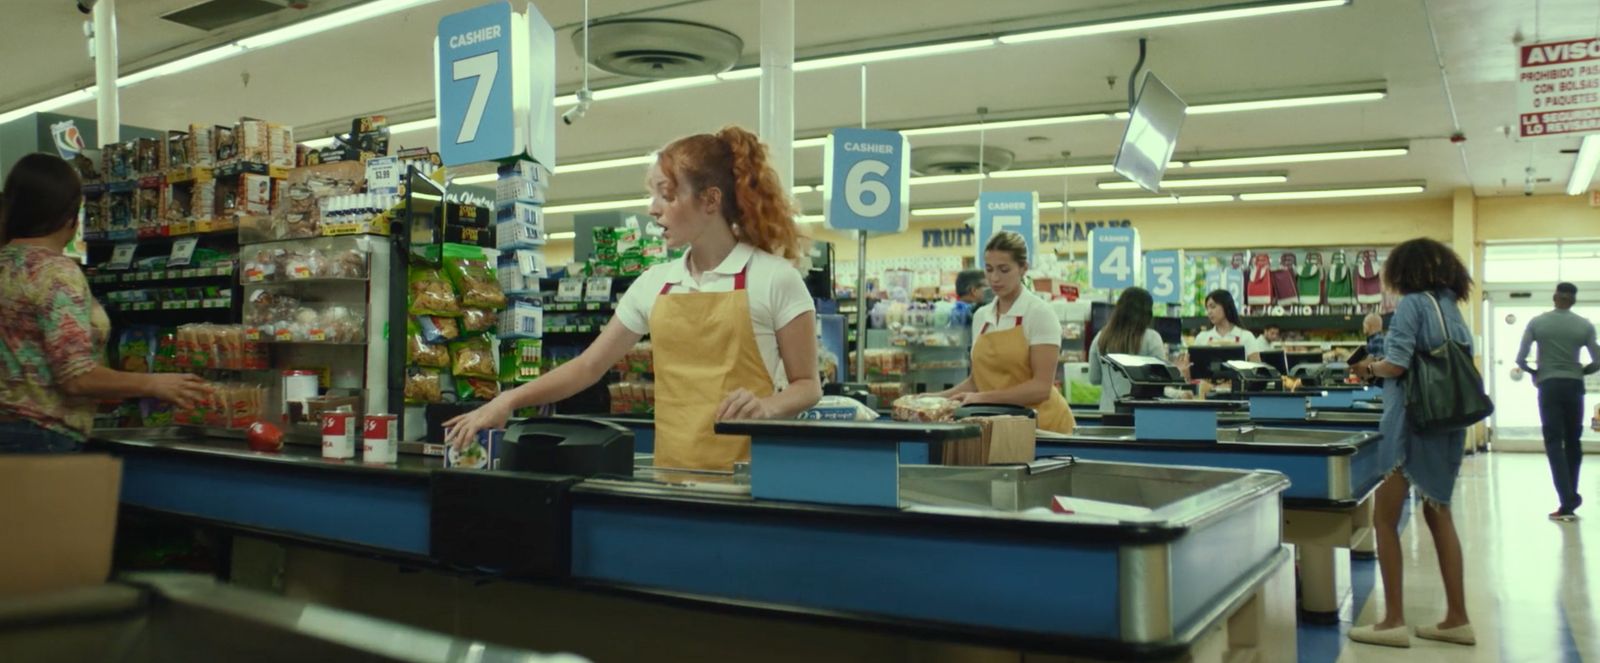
{"x":924,"y":408}
{"x":430,"y":293}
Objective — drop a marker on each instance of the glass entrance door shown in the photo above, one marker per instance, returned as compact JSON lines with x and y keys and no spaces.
{"x":1516,"y":401}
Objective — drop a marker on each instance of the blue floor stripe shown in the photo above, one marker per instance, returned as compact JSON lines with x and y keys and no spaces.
{"x":1318,"y":643}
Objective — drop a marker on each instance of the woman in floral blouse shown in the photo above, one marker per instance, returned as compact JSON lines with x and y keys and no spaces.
{"x":53,"y":332}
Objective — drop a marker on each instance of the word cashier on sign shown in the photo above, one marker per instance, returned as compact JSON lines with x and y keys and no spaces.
{"x":1558,"y":88}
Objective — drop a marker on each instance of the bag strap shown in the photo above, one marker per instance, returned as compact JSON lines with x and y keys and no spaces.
{"x":1443,"y":326}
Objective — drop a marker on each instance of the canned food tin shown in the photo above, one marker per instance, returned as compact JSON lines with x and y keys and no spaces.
{"x":339,"y":434}
{"x":379,"y":442}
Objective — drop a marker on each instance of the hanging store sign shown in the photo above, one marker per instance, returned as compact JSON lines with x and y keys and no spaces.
{"x":868,"y":183}
{"x":1558,"y":88}
{"x":1049,"y":233}
{"x":1114,"y":258}
{"x":1163,"y":276}
{"x":494,"y":85}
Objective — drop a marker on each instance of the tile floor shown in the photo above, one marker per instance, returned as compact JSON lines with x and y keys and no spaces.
{"x":1531,"y":583}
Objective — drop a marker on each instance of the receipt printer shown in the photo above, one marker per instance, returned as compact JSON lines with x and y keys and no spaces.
{"x":1149,"y":378}
{"x":568,"y":445}
{"x":1251,"y":377}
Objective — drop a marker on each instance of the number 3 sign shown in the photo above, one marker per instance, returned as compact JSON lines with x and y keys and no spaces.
{"x":1113,"y":258}
{"x":867,"y":186}
{"x":473,"y":79}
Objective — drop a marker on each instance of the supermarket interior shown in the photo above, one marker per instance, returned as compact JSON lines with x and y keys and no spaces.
{"x":416,"y":330}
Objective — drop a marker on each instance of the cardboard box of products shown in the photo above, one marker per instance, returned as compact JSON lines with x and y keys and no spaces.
{"x":60,"y":523}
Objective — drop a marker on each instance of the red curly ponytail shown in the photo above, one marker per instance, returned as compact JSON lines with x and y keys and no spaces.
{"x":734,"y":161}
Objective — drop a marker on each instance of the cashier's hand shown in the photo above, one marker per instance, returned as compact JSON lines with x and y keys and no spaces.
{"x":741,"y":404}
{"x":180,"y":389}
{"x":463,"y":429}
{"x":967,"y":397}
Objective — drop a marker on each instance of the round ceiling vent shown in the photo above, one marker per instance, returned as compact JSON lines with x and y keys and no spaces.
{"x":959,"y":159}
{"x":659,"y":48}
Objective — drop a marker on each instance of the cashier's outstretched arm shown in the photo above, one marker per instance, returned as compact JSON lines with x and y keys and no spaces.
{"x":557,"y":385}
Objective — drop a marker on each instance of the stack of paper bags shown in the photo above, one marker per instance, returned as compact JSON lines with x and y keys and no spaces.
{"x":1003,"y":440}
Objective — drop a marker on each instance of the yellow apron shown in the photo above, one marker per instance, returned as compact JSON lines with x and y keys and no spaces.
{"x":1001,"y":360}
{"x":705,"y":347}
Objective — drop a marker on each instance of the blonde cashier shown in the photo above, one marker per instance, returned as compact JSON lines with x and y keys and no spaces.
{"x":1017,"y":342}
{"x":732,"y":327}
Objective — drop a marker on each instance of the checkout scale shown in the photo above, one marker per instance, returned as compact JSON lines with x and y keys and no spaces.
{"x":1333,"y":469}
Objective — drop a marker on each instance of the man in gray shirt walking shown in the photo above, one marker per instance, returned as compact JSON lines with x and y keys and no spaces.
{"x":1560,"y":334}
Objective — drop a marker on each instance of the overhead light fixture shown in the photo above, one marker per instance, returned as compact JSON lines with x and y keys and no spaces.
{"x":53,"y":103}
{"x":1198,"y":182}
{"x":804,"y":188}
{"x":1169,"y":20}
{"x":1583,"y":169}
{"x":943,"y":179}
{"x":1303,"y":157}
{"x":565,"y":235}
{"x":943,"y":211}
{"x":740,"y":74}
{"x":414,"y":125}
{"x":604,"y":164}
{"x":810,"y":218}
{"x":1149,"y":202}
{"x":829,"y":62}
{"x":1058,"y":171}
{"x":318,"y":143}
{"x":475,"y":179}
{"x":1333,"y":193}
{"x":1005,"y":124}
{"x":1292,"y":102}
{"x":179,"y":65}
{"x":651,"y":87}
{"x":597,"y":206}
{"x":330,"y":21}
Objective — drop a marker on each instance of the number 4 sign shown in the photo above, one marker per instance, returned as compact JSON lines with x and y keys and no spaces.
{"x":867,"y":186}
{"x":1113,"y":257}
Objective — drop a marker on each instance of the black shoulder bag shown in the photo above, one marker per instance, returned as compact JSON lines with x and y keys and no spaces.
{"x":1444,"y":391}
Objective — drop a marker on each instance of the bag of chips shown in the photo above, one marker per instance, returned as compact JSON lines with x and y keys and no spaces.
{"x":430,"y":293}
{"x":474,"y":278}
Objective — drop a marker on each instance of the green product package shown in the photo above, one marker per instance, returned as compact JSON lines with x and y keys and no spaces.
{"x":474,"y":358}
{"x":430,"y":293}
{"x":475,"y":279}
{"x":476,"y":389}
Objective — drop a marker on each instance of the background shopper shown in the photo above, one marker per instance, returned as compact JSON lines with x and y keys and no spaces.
{"x":54,"y":332}
{"x":1127,"y":332}
{"x":1016,"y":342}
{"x":1560,"y":334}
{"x":731,"y":322}
{"x":971,"y":289}
{"x":1421,"y":270}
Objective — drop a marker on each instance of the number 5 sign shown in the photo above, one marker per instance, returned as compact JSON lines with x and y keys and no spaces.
{"x":1000,"y":211}
{"x":473,"y":78}
{"x":867,"y":185}
{"x":1163,"y":275}
{"x":1113,"y":257}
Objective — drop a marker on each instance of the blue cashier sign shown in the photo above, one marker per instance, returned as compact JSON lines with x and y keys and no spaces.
{"x":999,"y":211}
{"x":866,"y":172}
{"x":473,"y":85}
{"x":1113,"y":258}
{"x":1163,"y":276}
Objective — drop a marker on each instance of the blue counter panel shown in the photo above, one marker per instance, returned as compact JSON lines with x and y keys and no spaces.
{"x":1366,"y":469}
{"x":1041,"y":586}
{"x":390,"y":515}
{"x":1212,"y":559}
{"x":1308,"y":474}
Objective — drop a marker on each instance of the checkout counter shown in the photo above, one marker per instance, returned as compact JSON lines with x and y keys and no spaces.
{"x":826,"y":524}
{"x":1333,"y":472}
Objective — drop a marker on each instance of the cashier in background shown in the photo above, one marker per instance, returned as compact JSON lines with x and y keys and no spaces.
{"x":1128,"y":332}
{"x":732,"y":324}
{"x":1016,"y":342}
{"x":1225,"y":328}
{"x":54,"y":333}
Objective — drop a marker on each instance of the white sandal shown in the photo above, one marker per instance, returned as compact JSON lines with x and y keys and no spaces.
{"x":1399,"y":637}
{"x":1461,"y":635}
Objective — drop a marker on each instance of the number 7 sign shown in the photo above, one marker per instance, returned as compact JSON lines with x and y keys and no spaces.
{"x":473,"y":77}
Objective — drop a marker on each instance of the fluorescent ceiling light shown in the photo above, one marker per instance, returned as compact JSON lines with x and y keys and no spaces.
{"x":476,"y":179}
{"x":1332,"y":193}
{"x":195,"y":61}
{"x":829,"y":62}
{"x":1583,"y":169}
{"x":810,"y":218}
{"x":329,"y":21}
{"x":414,"y":125}
{"x":68,"y":99}
{"x":318,"y":143}
{"x":598,"y":206}
{"x":606,"y":163}
{"x":811,"y":142}
{"x":653,"y":86}
{"x":1147,"y":202}
{"x":942,"y":179}
{"x":943,"y":211}
{"x":1005,"y":124}
{"x":1198,"y":182}
{"x":1299,"y":158}
{"x":565,"y":235}
{"x":804,"y":188}
{"x":1097,"y":169}
{"x":740,"y":74}
{"x":1293,"y":102}
{"x":1185,"y":18}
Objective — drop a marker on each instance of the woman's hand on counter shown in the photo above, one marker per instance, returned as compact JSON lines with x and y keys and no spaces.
{"x":742,"y":404}
{"x":180,"y":389}
{"x":462,"y":429}
{"x":968,"y":397}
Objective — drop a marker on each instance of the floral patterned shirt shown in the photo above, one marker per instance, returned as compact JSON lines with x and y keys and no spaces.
{"x":52,"y":331}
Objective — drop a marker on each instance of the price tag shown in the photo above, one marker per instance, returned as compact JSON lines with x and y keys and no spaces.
{"x":1001,"y":211}
{"x":570,"y":290}
{"x":597,"y":289}
{"x":182,"y":252}
{"x":383,"y":174}
{"x":1113,"y":257}
{"x":867,"y":172}
{"x":472,"y":85}
{"x":1163,"y":276}
{"x":122,"y":256}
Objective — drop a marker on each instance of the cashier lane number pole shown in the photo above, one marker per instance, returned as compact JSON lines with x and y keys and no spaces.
{"x":865,"y":190}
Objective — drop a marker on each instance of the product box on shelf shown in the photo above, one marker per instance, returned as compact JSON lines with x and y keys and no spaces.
{"x":522,"y":181}
{"x":469,"y":235}
{"x":368,"y":138}
{"x":515,"y":235}
{"x":466,"y":215}
{"x":520,"y":270}
{"x":482,"y":453}
{"x":522,"y":320}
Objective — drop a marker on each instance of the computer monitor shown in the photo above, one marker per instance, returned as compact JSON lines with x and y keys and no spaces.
{"x":1293,"y":359}
{"x":1151,"y":134}
{"x":1204,"y":360}
{"x":1171,"y":330}
{"x":1277,"y":359}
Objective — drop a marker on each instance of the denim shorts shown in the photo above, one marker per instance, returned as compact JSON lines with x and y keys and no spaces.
{"x":26,"y":437}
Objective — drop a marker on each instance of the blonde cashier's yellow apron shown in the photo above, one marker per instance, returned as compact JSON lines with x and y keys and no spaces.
{"x":1000,"y":361}
{"x":705,"y":347}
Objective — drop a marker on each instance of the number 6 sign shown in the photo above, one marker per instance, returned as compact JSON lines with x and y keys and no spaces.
{"x":866,"y":186}
{"x":473,"y":78}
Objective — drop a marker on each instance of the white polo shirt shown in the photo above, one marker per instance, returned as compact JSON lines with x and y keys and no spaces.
{"x":776,"y":289}
{"x":1235,"y":336}
{"x":1039,"y":324}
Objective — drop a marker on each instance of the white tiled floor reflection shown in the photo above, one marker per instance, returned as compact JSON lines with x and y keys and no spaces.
{"x":1531,"y":583}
